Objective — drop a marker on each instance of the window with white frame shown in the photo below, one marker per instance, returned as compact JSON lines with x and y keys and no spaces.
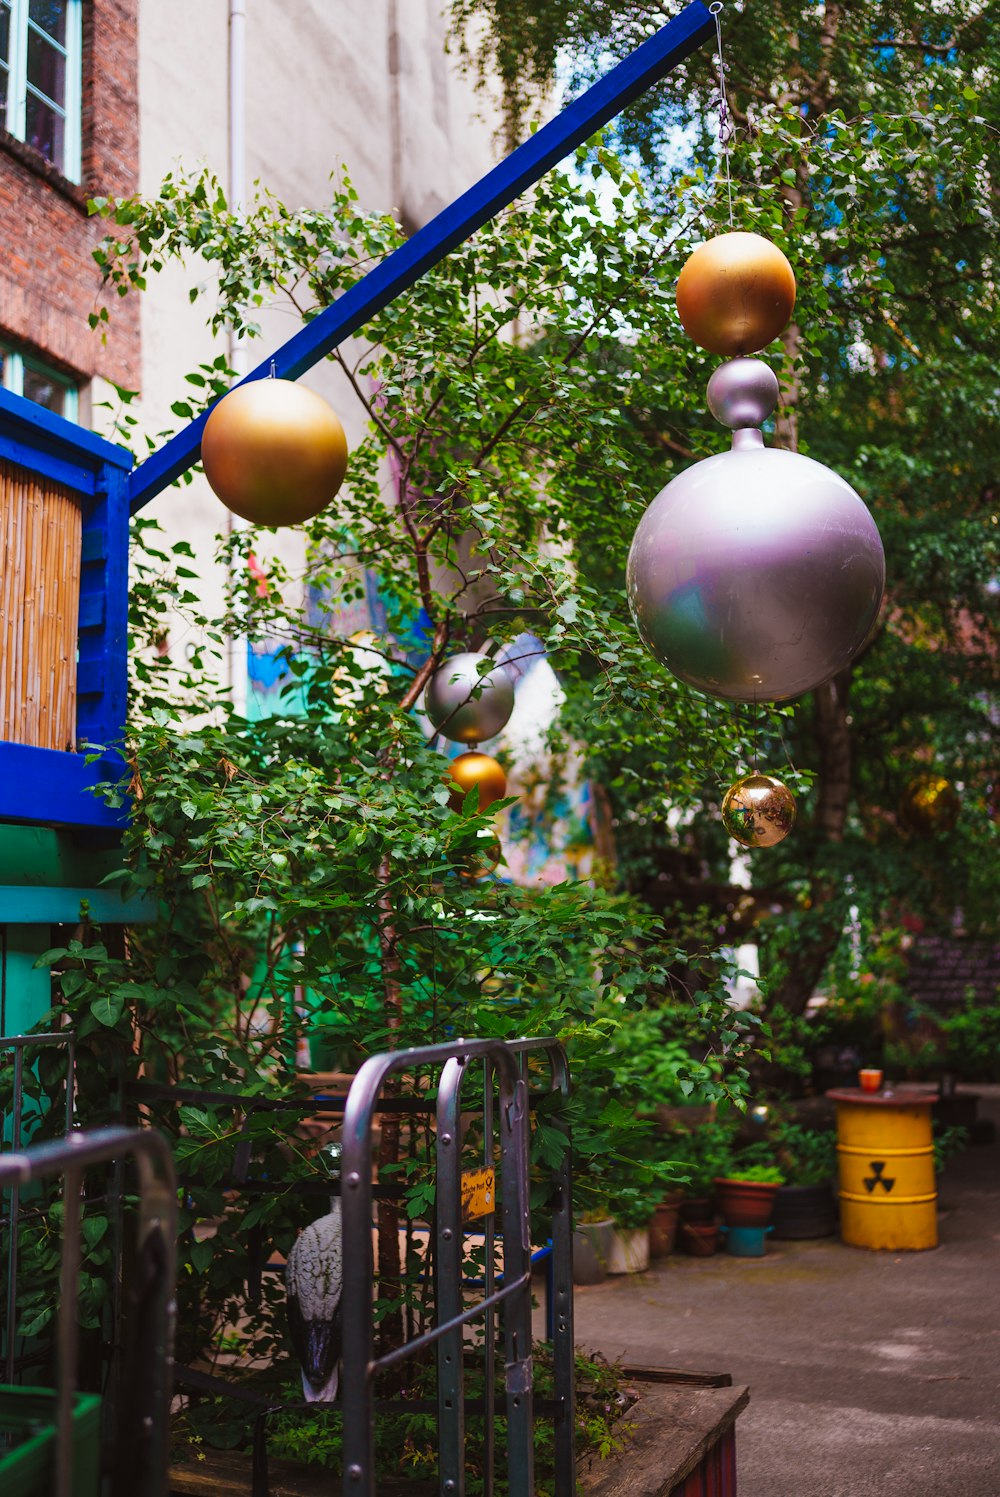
{"x":40,"y":77}
{"x":23,"y":374}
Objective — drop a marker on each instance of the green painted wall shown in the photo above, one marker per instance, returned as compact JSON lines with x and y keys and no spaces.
{"x":45,"y":874}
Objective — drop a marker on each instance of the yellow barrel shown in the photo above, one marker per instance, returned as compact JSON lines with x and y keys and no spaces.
{"x":888,"y":1195}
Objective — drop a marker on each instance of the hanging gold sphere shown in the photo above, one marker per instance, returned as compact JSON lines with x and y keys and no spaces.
{"x":484,"y":860}
{"x":735,"y":294}
{"x":930,"y":805}
{"x":758,"y":811}
{"x":274,"y":452}
{"x":471,"y":770}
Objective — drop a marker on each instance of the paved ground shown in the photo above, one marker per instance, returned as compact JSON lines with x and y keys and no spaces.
{"x":870,"y":1374}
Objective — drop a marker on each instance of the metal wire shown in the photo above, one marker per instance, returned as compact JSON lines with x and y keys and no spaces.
{"x":725,"y":128}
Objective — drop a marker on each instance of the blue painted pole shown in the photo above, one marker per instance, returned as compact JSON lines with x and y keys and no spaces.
{"x":576,"y":123}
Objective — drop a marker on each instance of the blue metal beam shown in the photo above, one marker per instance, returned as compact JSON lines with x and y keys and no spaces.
{"x":577,"y":122}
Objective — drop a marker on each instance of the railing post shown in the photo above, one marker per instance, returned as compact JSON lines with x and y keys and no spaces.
{"x":516,"y":1262}
{"x":448,"y":1257}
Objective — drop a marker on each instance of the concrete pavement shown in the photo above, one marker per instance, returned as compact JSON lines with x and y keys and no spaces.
{"x":870,"y":1374}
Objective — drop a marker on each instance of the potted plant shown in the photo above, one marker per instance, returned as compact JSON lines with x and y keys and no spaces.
{"x":805,"y":1205}
{"x":592,"y":1236}
{"x":632,"y":1207}
{"x":746,"y":1194}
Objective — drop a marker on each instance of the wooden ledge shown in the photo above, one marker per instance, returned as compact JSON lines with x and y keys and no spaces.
{"x":673,"y":1426}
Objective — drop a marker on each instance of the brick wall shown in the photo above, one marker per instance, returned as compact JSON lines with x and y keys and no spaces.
{"x":49,"y":283}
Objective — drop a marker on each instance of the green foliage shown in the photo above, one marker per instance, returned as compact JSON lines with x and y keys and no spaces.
{"x":407,"y":1443}
{"x":757,"y":1174}
{"x":947,"y":1143}
{"x":807,"y":1156}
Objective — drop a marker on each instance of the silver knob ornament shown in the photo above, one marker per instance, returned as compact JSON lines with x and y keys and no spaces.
{"x":757,"y":574}
{"x":742,"y":392}
{"x":466,"y":704}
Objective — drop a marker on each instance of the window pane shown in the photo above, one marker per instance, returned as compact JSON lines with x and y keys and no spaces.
{"x":44,"y":129}
{"x":4,"y":32}
{"x":50,"y":15}
{"x":46,"y":68}
{"x":44,"y":390}
{"x":3,"y":96}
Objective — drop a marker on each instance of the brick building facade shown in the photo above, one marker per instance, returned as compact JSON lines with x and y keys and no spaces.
{"x":49,"y":282}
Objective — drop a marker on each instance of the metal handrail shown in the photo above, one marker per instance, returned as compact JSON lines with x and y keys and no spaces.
{"x":141,"y":1469}
{"x":19,"y":1043}
{"x":507,"y":1063}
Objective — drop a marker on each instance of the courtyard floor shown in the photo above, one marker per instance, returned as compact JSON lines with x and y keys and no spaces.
{"x":870,"y":1374}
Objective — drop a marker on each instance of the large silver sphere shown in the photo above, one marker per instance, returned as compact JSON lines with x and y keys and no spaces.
{"x":743,"y":392}
{"x":757,"y":574}
{"x":465,"y":706}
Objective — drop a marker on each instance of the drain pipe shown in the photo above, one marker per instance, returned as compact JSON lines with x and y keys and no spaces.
{"x":236,"y":652}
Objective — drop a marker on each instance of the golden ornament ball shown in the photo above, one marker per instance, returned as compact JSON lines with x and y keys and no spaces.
{"x":274,"y":452}
{"x":484,"y":860}
{"x":930,"y":805}
{"x":471,"y":770}
{"x":735,"y":294}
{"x":758,"y":811}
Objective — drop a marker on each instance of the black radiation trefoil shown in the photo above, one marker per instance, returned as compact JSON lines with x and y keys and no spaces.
{"x":877,"y":1178}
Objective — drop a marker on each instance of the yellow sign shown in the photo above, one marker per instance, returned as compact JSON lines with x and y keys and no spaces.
{"x":478,"y":1193}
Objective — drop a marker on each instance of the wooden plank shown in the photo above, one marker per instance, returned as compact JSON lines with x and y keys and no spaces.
{"x":679,"y":1375}
{"x":229,"y":1475}
{"x":44,"y":785}
{"x":26,"y":904}
{"x":672,"y":1429}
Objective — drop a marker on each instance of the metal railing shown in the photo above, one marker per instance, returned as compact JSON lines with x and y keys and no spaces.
{"x":504,"y":1068}
{"x":19,"y":1043}
{"x":507,"y":1063}
{"x":142,"y":1434}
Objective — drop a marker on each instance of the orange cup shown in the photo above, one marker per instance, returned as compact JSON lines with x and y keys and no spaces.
{"x":870,"y":1080}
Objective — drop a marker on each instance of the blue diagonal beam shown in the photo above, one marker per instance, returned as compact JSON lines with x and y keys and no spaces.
{"x":576,"y":123}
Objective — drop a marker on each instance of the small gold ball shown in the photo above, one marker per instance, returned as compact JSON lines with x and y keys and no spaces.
{"x":471,"y":770}
{"x":274,"y":452}
{"x":930,"y":805}
{"x":484,"y":860}
{"x":758,"y":811}
{"x":735,"y":294}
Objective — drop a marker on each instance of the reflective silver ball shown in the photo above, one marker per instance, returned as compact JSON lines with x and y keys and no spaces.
{"x":743,"y":392}
{"x":757,"y":574}
{"x":465,"y":706}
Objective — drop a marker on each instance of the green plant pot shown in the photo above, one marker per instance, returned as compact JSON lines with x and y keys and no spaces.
{"x":28,"y":1431}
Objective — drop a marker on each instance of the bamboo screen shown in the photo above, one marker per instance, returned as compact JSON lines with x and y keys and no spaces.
{"x":40,"y":545}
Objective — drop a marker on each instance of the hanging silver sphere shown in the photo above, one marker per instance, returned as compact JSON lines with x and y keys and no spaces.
{"x":464,"y":705}
{"x":757,"y":574}
{"x":743,"y":392}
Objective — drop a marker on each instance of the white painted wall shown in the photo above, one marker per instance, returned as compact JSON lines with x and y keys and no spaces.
{"x":362,"y":83}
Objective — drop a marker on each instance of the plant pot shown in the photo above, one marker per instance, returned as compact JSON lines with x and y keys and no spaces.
{"x":745,"y":1203}
{"x":746,"y":1242}
{"x":699,"y":1211}
{"x":629,"y":1250}
{"x":699,"y":1240}
{"x":802,"y":1211}
{"x":591,"y":1251}
{"x":663,"y":1227}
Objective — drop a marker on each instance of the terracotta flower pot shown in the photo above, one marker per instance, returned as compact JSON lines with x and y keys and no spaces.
{"x":663,"y":1227}
{"x":699,"y":1240}
{"x":745,"y":1203}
